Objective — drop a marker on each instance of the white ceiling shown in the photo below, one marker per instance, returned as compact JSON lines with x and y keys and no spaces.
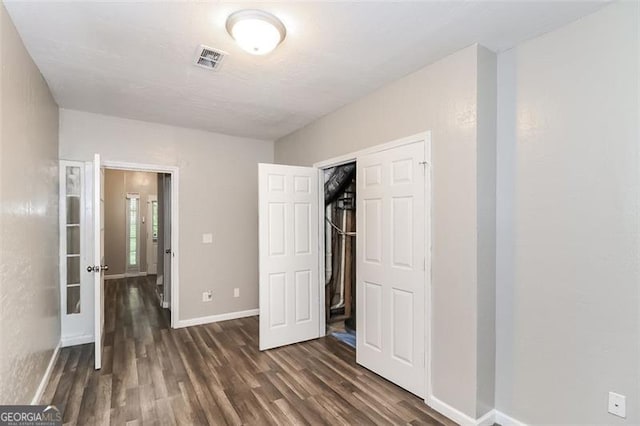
{"x":134,"y":59}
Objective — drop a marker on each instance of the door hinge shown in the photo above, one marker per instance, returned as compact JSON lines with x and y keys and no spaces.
{"x":424,"y":165}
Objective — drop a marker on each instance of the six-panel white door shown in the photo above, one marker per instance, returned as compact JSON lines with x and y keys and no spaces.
{"x":289,"y":289}
{"x":390,"y":282}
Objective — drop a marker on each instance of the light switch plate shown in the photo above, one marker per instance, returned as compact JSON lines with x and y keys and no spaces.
{"x":618,"y":404}
{"x":207,"y":238}
{"x":236,"y":292}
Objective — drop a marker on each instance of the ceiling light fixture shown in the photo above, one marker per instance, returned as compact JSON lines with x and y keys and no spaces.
{"x":256,"y":31}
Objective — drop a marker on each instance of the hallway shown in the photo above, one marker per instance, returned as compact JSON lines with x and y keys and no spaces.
{"x":214,"y":374}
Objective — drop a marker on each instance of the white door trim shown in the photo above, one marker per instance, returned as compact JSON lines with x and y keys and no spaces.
{"x":349,"y":158}
{"x":149,"y":241}
{"x":353,"y":156}
{"x":174,"y":171}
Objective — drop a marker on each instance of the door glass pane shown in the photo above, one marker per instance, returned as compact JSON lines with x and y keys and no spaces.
{"x":73,"y":180}
{"x":73,"y":192}
{"x":73,"y":209}
{"x":73,"y":239}
{"x":133,"y":232}
{"x":73,"y":300}
{"x":154,"y":220}
{"x":73,"y":270}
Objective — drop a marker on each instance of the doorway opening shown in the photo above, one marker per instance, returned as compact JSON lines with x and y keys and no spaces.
{"x":340,"y":252}
{"x":137,"y":223}
{"x":141,"y":233}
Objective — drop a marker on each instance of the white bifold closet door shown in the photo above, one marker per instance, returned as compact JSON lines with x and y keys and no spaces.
{"x":390,"y":274}
{"x":288,"y":234}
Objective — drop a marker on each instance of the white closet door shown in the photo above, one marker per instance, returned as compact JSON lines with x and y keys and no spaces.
{"x":390,"y":289}
{"x":289,"y":289}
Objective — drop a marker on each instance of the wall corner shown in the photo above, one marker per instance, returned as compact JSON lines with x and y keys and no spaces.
{"x":486,"y":134}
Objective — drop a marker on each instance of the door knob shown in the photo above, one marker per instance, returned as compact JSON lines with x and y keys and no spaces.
{"x":97,"y":268}
{"x":168,"y":251}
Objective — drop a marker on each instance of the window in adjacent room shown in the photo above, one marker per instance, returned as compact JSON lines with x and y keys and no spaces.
{"x":154,"y":220}
{"x":133,"y":232}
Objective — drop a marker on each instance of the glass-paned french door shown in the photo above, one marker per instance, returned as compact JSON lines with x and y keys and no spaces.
{"x":76,"y":284}
{"x":73,"y":201}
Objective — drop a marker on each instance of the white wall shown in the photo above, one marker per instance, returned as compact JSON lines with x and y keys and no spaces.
{"x":29,"y":292}
{"x":443,"y":98}
{"x":218,"y":195}
{"x":486,"y":230}
{"x":568,"y":317}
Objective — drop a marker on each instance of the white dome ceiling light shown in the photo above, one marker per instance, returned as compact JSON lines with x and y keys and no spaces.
{"x":256,"y":31}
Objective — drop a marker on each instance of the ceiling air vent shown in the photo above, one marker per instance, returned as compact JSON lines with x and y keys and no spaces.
{"x":209,"y":58}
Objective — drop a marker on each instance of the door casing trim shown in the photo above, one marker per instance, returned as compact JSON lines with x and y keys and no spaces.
{"x":174,"y":171}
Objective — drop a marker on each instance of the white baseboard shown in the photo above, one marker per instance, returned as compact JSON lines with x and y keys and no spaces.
{"x":504,"y":420}
{"x":215,"y":318}
{"x":47,"y":375}
{"x":490,"y":418}
{"x":450,"y":412}
{"x":113,"y":277}
{"x":127,"y":275}
{"x":487,"y":420}
{"x":76,"y":340}
{"x":163,"y":303}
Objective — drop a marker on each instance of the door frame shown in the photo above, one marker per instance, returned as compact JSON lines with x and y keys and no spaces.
{"x":353,"y":157}
{"x":174,"y":171}
{"x":149,"y":228}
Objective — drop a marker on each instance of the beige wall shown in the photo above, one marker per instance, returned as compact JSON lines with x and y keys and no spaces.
{"x":29,"y":292}
{"x":568,"y":285}
{"x":114,"y":221}
{"x":218,"y":195}
{"x":117,"y":184}
{"x":443,"y":98}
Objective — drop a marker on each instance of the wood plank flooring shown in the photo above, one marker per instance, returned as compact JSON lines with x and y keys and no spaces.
{"x":215,"y":374}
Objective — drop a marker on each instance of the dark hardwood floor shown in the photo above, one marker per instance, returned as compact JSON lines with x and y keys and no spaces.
{"x":215,"y":374}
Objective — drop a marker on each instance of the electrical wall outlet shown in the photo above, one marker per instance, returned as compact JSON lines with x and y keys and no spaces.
{"x":618,"y":404}
{"x":207,"y":238}
{"x":236,"y":292}
{"x":207,"y":296}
